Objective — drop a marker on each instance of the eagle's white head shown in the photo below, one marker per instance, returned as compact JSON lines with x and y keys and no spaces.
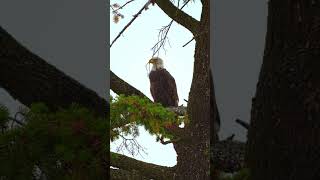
{"x":157,"y":63}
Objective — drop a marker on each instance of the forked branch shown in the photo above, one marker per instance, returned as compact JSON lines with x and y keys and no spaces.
{"x":178,"y":15}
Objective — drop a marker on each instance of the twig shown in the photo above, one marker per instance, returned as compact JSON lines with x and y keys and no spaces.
{"x":164,"y":32}
{"x":122,"y":5}
{"x":188,"y":42}
{"x":131,"y":145}
{"x":194,"y":38}
{"x":243,"y":124}
{"x":134,"y":18}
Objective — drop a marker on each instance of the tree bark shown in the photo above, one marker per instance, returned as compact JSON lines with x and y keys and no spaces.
{"x":119,"y":86}
{"x":284,"y":133}
{"x":194,"y":147}
{"x":29,"y":79}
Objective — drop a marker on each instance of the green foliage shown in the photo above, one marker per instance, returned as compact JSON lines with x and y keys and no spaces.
{"x":68,"y":144}
{"x":243,"y":174}
{"x":129,"y":112}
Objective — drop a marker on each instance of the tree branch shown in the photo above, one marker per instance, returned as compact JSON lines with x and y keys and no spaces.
{"x":120,"y":174}
{"x":145,"y":169}
{"x":178,"y":15}
{"x":119,"y":86}
{"x":243,"y":123}
{"x":121,"y":7}
{"x":130,"y":22}
{"x":29,"y":79}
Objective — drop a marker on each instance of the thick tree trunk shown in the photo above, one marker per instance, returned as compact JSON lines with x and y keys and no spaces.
{"x":28,"y":78}
{"x":284,"y":136}
{"x":193,"y":150}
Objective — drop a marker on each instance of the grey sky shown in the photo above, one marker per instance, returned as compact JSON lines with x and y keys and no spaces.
{"x":237,"y":44}
{"x":71,"y":35}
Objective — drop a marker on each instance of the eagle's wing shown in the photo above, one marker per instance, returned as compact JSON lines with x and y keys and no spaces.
{"x":171,"y":86}
{"x":163,"y":88}
{"x":152,"y":90}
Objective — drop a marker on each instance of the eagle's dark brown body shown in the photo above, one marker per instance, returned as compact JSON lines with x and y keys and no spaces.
{"x":163,"y":88}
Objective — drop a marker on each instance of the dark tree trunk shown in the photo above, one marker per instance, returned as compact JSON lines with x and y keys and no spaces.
{"x":193,"y":152}
{"x":284,"y":136}
{"x":28,"y":78}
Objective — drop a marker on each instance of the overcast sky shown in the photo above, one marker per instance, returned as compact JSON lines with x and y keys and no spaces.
{"x":237,"y":39}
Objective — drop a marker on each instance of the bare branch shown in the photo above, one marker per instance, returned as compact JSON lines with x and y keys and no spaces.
{"x":243,"y":123}
{"x":121,"y":7}
{"x":178,"y":15}
{"x":162,"y":39}
{"x":134,"y":18}
{"x":188,"y":42}
{"x":145,"y":169}
{"x":131,"y":145}
{"x":195,"y":37}
{"x":163,"y":34}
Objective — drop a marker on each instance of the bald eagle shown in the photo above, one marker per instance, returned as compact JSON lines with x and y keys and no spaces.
{"x":162,"y":85}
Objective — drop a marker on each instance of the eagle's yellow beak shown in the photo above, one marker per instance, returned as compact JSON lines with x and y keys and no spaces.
{"x":151,"y":61}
